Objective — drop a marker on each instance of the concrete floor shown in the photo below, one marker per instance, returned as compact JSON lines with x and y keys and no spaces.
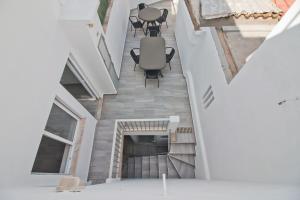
{"x":239,"y":44}
{"x":153,"y":189}
{"x":244,"y":40}
{"x":135,"y":101}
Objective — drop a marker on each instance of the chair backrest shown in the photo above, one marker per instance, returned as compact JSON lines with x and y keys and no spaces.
{"x":165,"y":14}
{"x":141,"y":6}
{"x":132,"y":19}
{"x":153,"y":33}
{"x":154,"y":27}
{"x":170,"y":55}
{"x":134,"y":56}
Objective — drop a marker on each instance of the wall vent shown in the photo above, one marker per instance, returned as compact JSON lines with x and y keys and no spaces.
{"x":208,"y":97}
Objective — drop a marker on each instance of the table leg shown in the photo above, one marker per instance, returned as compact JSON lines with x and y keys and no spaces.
{"x":161,"y":74}
{"x":147,"y":28}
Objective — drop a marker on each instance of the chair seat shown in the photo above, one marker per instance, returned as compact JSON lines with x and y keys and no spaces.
{"x":154,"y":28}
{"x":160,"y":20}
{"x":137,"y":24}
{"x":152,"y":74}
{"x":154,"y":31}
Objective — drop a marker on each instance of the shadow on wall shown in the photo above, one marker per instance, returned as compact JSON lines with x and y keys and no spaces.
{"x":244,"y":134}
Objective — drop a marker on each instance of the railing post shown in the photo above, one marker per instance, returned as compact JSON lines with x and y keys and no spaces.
{"x":112,"y":153}
{"x":173,"y":123}
{"x":164,"y":184}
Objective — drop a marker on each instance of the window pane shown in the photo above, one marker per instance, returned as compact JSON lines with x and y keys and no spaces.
{"x":104,"y":52}
{"x":51,"y":156}
{"x":72,"y":83}
{"x":61,"y":123}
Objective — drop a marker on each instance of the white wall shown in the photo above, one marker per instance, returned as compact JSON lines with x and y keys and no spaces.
{"x":34,"y":50}
{"x":246,"y":134}
{"x":117,"y":30}
{"x":86,"y":54}
{"x":177,"y":189}
{"x":83,"y":27}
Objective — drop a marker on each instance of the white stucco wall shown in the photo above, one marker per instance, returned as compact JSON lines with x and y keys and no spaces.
{"x":117,"y":30}
{"x":34,"y":50}
{"x":247,"y":135}
{"x":177,"y":189}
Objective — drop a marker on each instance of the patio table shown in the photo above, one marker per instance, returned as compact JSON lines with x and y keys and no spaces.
{"x":149,"y":15}
{"x":152,"y":53}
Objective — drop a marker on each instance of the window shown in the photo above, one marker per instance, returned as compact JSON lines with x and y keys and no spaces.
{"x":56,"y":147}
{"x":79,"y":86}
{"x":102,"y":47}
{"x":75,"y":83}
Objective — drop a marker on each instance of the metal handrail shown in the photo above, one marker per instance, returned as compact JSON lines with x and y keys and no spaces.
{"x":130,"y":125}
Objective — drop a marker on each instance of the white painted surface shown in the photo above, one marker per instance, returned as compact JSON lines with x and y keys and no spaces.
{"x":34,"y":50}
{"x":86,"y":53}
{"x":290,"y":19}
{"x":188,"y":50}
{"x":79,"y":9}
{"x":247,"y":135}
{"x":152,"y":189}
{"x":164,"y":185}
{"x":86,"y":146}
{"x":117,"y":30}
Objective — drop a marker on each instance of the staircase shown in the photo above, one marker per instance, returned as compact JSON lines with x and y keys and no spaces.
{"x":178,"y":163}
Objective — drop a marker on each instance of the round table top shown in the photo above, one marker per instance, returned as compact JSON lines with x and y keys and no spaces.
{"x":149,"y":14}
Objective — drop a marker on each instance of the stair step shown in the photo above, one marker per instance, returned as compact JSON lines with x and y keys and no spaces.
{"x":184,"y":130}
{"x":138,"y":167}
{"x":171,"y":170}
{"x":189,"y":159}
{"x":182,"y":149}
{"x":145,"y":167}
{"x":185,"y":138}
{"x":183,"y":169}
{"x":153,"y":167}
{"x":173,"y":137}
{"x":131,"y":167}
{"x":125,"y":169}
{"x":162,"y":165}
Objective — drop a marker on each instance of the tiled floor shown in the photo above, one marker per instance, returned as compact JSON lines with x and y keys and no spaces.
{"x":135,"y":101}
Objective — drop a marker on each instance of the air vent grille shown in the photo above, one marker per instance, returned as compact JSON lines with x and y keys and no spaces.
{"x":208,"y":97}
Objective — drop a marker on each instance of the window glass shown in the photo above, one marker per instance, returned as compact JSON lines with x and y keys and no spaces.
{"x":61,"y":123}
{"x":51,"y":156}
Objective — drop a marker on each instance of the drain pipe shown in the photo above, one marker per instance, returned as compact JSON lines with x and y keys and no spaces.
{"x":164,"y":184}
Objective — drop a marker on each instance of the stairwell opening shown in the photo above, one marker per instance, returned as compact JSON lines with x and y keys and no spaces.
{"x":149,"y":148}
{"x":151,"y":156}
{"x":142,"y":154}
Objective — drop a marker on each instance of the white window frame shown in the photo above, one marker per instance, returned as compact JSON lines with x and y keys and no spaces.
{"x":78,"y":73}
{"x":65,"y":169}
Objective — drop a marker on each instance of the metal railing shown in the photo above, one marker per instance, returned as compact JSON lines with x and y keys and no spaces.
{"x":144,"y":125}
{"x":125,"y":126}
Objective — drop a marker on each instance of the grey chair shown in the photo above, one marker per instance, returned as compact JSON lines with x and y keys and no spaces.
{"x":170,"y":55}
{"x":136,"y":24}
{"x":153,"y":30}
{"x":152,"y":74}
{"x":135,"y":57}
{"x":141,"y":6}
{"x":163,"y":17}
